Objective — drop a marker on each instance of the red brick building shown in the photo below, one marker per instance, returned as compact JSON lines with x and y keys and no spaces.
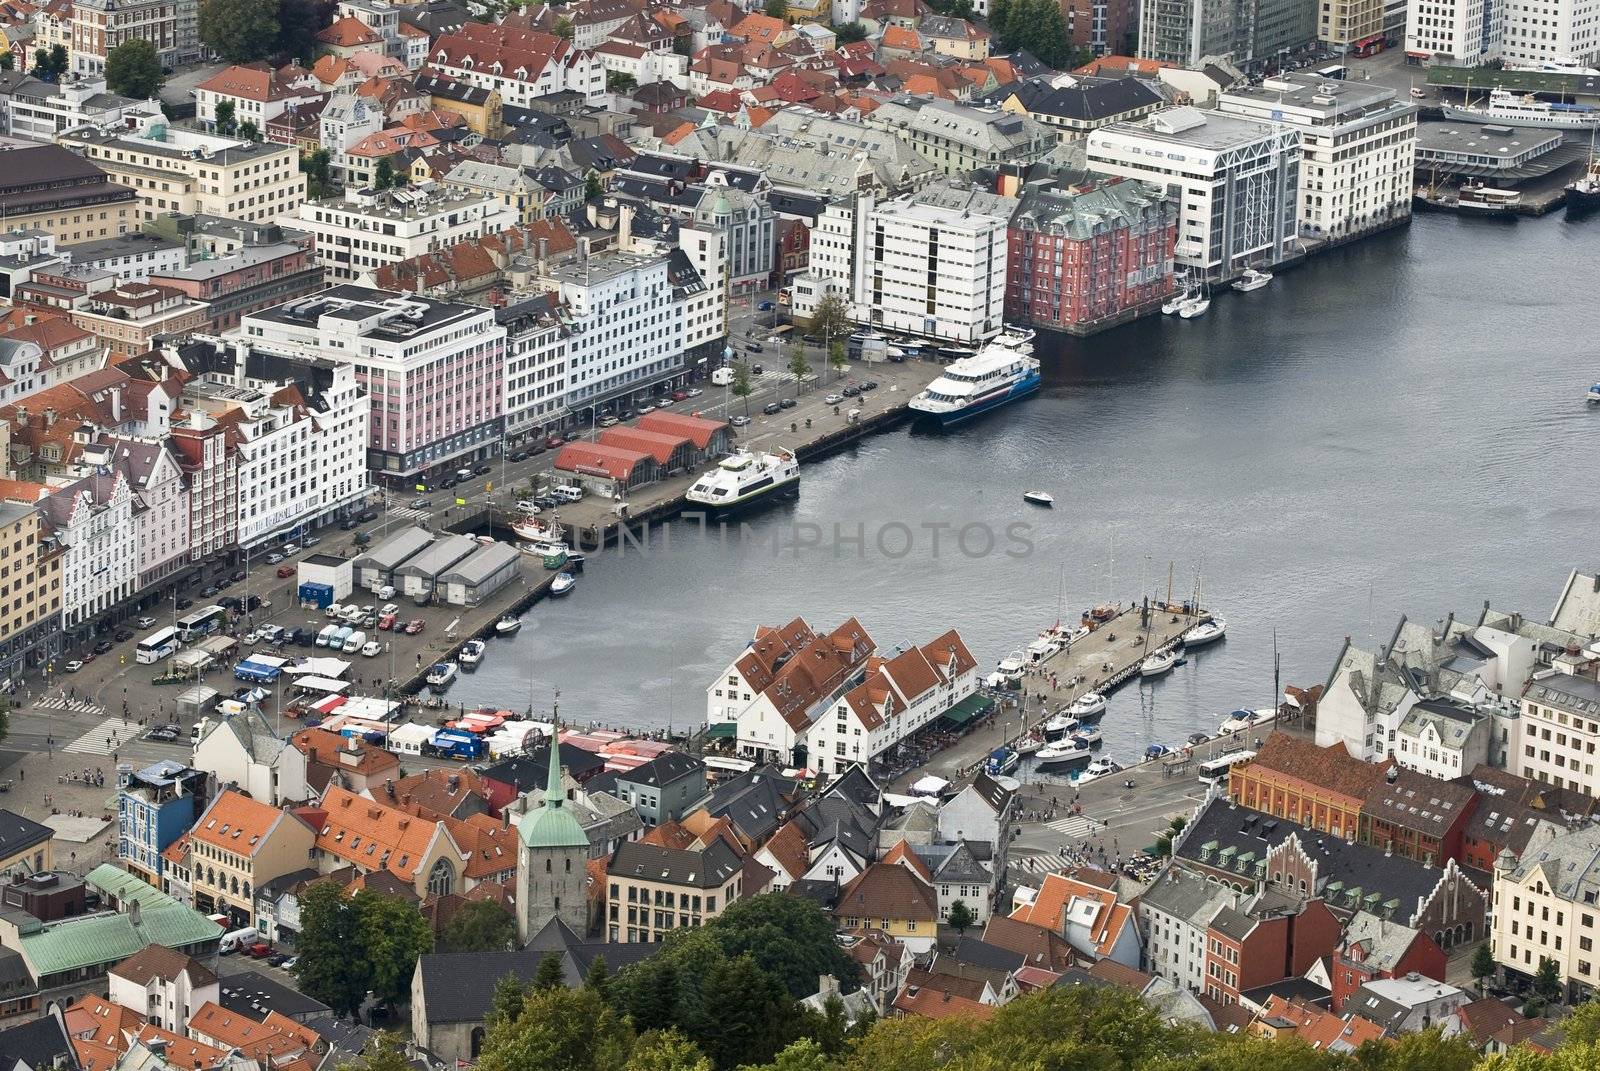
{"x":1417,"y":816}
{"x":1270,"y":938}
{"x":1509,"y":809}
{"x":794,"y":251}
{"x":1373,"y":947}
{"x":1320,"y":787}
{"x":1086,"y":254}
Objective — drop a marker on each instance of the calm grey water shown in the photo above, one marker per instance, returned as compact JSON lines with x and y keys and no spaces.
{"x":1396,"y":428}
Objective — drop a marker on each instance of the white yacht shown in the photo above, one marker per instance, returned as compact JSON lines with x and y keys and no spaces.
{"x":1066,"y":753}
{"x":442,"y":674}
{"x":507,"y":625}
{"x":1087,"y":705}
{"x":1205,"y":632}
{"x":1060,"y":725}
{"x":743,"y":477}
{"x":1525,"y":109}
{"x":1194,"y":306}
{"x":1003,"y":371}
{"x":562,"y":584}
{"x":471,"y":652}
{"x":1158,"y":663}
{"x":1593,"y":397}
{"x":1088,"y":736}
{"x":1252,"y":280}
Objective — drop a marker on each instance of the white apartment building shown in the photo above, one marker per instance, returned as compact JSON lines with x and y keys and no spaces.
{"x":625,"y":326}
{"x":1547,"y":906}
{"x":1550,"y":31}
{"x":520,"y":65}
{"x":363,"y":231}
{"x":302,"y":438}
{"x":432,"y":370}
{"x":93,"y":519}
{"x":536,"y":365}
{"x":41,"y":110}
{"x":1446,"y":740}
{"x":927,"y":270}
{"x":1236,"y":181}
{"x":1357,"y":144}
{"x":160,"y":504}
{"x":1174,"y":915}
{"x":1456,"y":32}
{"x":1561,"y":724}
{"x":705,"y":312}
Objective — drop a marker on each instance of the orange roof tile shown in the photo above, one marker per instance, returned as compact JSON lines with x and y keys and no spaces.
{"x":372,"y":836}
{"x":237,"y":823}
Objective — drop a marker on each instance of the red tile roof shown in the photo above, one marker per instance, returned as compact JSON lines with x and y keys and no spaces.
{"x":613,"y":462}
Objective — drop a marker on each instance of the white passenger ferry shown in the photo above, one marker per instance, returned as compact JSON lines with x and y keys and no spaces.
{"x":744,"y":477}
{"x":1002,"y":371}
{"x":1525,"y":109}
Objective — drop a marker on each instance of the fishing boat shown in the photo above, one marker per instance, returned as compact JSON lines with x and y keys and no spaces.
{"x":1059,"y":756}
{"x":507,"y":625}
{"x":1506,"y":108}
{"x":1003,"y":371}
{"x":1593,"y":397}
{"x":1205,"y":632}
{"x":1087,"y":705}
{"x":536,"y":530}
{"x":1476,"y":199}
{"x":1252,"y":280}
{"x":1088,"y":736}
{"x":1583,"y":195}
{"x":442,"y":674}
{"x":562,"y":584}
{"x":1060,"y":725}
{"x":743,"y":477}
{"x":471,"y":652}
{"x":1038,"y":498}
{"x":1002,"y":760}
{"x":1158,"y":663}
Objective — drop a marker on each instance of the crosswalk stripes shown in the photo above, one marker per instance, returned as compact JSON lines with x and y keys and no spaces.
{"x":1073,"y":825}
{"x":1038,"y":864}
{"x":103,"y":739}
{"x":59,"y":701}
{"x":407,"y":513}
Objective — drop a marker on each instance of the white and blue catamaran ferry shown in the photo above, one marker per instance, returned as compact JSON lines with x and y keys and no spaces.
{"x":1002,"y":371}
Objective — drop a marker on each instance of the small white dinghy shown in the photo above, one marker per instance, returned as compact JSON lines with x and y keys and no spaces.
{"x":1038,"y":498}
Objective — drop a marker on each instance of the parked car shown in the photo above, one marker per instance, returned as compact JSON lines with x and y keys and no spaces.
{"x":833,"y":399}
{"x":680,"y":395}
{"x":418,"y":503}
{"x":349,"y":524}
{"x":448,"y":482}
{"x":182,"y":603}
{"x":251,"y":639}
{"x":386,"y":592}
{"x":259,"y":950}
{"x":73,"y":666}
{"x":608,"y":422}
{"x":553,"y":441}
{"x":755,"y":347}
{"x":766,"y":306}
{"x":771,"y":407}
{"x":693,"y":392}
{"x":646,"y":408}
{"x":291,"y":549}
{"x":787,"y":403}
{"x":367,"y":515}
{"x":147,"y":622}
{"x":386,"y":622}
{"x":362,"y":539}
{"x":103,"y":646}
{"x":278,"y":960}
{"x":851,"y":391}
{"x":285,"y":571}
{"x":123,"y":635}
{"x":371,"y":649}
{"x":536,"y":448}
{"x":739,"y":421}
{"x":414,"y":626}
{"x":871,"y":384}
{"x":516,"y":456}
{"x":483,"y":470}
{"x":274,"y":558}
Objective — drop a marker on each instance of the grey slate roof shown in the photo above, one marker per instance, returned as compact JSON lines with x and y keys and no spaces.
{"x":1186,"y":895}
{"x":527,"y":773}
{"x":706,"y":869}
{"x":980,"y":953}
{"x":992,"y":792}
{"x":18,"y":834}
{"x":39,"y":1045}
{"x":961,"y":867}
{"x":1453,"y":723}
{"x":255,"y":995}
{"x":757,"y":802}
{"x":665,"y":769}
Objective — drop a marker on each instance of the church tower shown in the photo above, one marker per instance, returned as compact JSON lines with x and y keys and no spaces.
{"x":552,"y":860}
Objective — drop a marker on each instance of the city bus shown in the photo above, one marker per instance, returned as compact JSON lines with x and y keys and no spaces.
{"x":1336,"y":73}
{"x":156,"y":646}
{"x":1215,"y":772}
{"x":202,"y":622}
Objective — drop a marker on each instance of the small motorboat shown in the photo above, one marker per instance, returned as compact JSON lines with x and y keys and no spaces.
{"x":1158,"y":663}
{"x":1101,"y":767}
{"x":507,"y":625}
{"x":1241,"y":720}
{"x":1252,"y":280}
{"x":1061,"y":724}
{"x":1038,"y":498}
{"x":1058,"y":756}
{"x":575,"y":563}
{"x":472,"y":652}
{"x":1088,"y":736}
{"x":442,"y":674}
{"x":1593,"y":397}
{"x":1027,"y":745}
{"x":562,"y":584}
{"x":1157,"y":751}
{"x":1173,"y":304}
{"x":1002,"y":760}
{"x":1087,"y":705}
{"x":1195,"y":306}
{"x":1205,"y":632}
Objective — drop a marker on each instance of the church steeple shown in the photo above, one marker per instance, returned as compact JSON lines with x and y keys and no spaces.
{"x":554,"y":795}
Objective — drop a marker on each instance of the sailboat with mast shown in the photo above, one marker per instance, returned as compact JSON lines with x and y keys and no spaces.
{"x":1583,"y":195}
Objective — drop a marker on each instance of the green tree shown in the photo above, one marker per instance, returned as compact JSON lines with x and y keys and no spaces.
{"x":1427,"y":1050}
{"x":8,"y":61}
{"x":741,"y":387}
{"x":385,"y":1051}
{"x":832,"y":319}
{"x":745,"y":1016}
{"x":1035,"y":25}
{"x":776,"y":8}
{"x":563,"y":28}
{"x":315,"y":166}
{"x":240,"y":31}
{"x":559,"y":1030}
{"x":480,"y":926}
{"x":593,"y":187}
{"x":225,"y":121}
{"x":248,"y":131}
{"x":838,"y":356}
{"x":134,"y":70}
{"x":383,"y":175}
{"x":799,"y":366}
{"x":599,"y":977}
{"x":298,"y":22}
{"x":390,"y":935}
{"x":961,"y":916}
{"x":1483,"y":964}
{"x":829,"y":1031}
{"x":59,"y":60}
{"x":41,"y":64}
{"x":1582,"y":1027}
{"x":1547,"y":980}
{"x":551,"y":974}
{"x":621,"y":82}
{"x":506,"y":1004}
{"x":850,"y":33}
{"x":667,"y":1050}
{"x":325,"y":969}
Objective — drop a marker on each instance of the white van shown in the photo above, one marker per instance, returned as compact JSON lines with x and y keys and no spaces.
{"x":238,"y":940}
{"x":325,"y":637}
{"x":567,"y":493}
{"x":722,"y":376}
{"x":333,"y":611}
{"x":354,"y":642}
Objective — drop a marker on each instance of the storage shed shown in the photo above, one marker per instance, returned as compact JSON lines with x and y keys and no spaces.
{"x":375,"y":568}
{"x":329,"y":570}
{"x":420,"y":574}
{"x":481,"y":574}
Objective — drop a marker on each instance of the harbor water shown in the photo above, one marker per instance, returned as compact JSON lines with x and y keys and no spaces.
{"x":1397,"y":427}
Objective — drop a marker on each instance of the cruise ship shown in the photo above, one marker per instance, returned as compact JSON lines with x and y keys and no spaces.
{"x":743,"y":477}
{"x":1525,"y":109}
{"x":1002,"y":371}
